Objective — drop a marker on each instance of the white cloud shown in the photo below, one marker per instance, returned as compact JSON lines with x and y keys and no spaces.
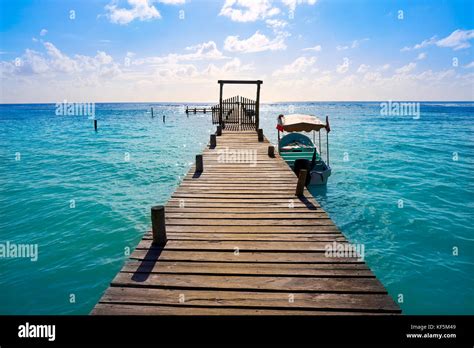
{"x":342,"y":68}
{"x":292,"y":3}
{"x":276,"y":24}
{"x":229,"y":69}
{"x":256,"y":43}
{"x":363,"y":68}
{"x":43,"y":32}
{"x":80,"y":75}
{"x":316,"y":48}
{"x":384,"y":67}
{"x":172,"y":2}
{"x":354,"y":44}
{"x":421,"y":56}
{"x":372,"y":76}
{"x":172,"y":72}
{"x":203,"y":51}
{"x":176,"y":71}
{"x":374,"y":85}
{"x":248,"y":10}
{"x":31,"y":63}
{"x":406,"y":68}
{"x":458,"y":39}
{"x":140,"y":9}
{"x":60,"y":61}
{"x":470,"y":65}
{"x":299,"y":65}
{"x":54,"y":64}
{"x":423,"y":44}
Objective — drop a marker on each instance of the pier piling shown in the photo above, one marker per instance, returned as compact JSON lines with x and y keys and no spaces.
{"x":301,"y":182}
{"x":158,"y":225}
{"x":213,"y":141}
{"x":260,"y":135}
{"x":95,"y":125}
{"x":271,"y":151}
{"x":199,"y":164}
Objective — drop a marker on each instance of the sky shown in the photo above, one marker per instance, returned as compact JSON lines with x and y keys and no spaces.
{"x":176,"y":50}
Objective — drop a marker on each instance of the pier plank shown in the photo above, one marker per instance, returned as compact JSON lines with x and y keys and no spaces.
{"x":325,"y":301}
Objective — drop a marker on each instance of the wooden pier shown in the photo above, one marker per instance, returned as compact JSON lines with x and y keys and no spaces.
{"x":239,"y":241}
{"x":195,"y":110}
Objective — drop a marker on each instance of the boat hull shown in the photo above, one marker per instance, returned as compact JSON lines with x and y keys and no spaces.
{"x":319,"y":177}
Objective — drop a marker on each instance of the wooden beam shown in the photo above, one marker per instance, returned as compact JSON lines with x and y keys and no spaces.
{"x":221,"y":90}
{"x":257,"y":108}
{"x":240,"y":82}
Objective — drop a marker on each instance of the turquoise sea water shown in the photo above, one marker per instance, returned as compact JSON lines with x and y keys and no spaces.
{"x":134,"y":162}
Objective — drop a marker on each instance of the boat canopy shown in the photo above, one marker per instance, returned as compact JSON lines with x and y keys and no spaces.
{"x":300,"y":123}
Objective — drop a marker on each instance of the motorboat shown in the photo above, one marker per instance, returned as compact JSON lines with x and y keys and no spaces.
{"x":299,"y":151}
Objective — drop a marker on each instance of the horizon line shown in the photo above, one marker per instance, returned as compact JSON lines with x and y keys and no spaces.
{"x":266,"y":102}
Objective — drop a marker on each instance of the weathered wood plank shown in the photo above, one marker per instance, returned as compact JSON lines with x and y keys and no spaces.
{"x":240,"y":245}
{"x":242,"y":268}
{"x":241,"y":203}
{"x":353,"y":302}
{"x":125,"y":309}
{"x":254,"y":236}
{"x":243,"y":210}
{"x":243,"y":256}
{"x":254,"y":229}
{"x":239,"y":216}
{"x":249,"y":222}
{"x":261,"y":283}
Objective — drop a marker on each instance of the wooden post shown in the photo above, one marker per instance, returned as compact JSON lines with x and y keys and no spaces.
{"x":164,"y":118}
{"x":257,"y":107}
{"x":95,"y":125}
{"x":220,"y":102}
{"x":260,"y":134}
{"x":327,"y":147}
{"x":152,"y":112}
{"x":158,"y":225}
{"x":271,"y":151}
{"x":301,"y":182}
{"x":219,"y":130}
{"x":187,"y":110}
{"x":199,"y":164}
{"x":213,"y":141}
